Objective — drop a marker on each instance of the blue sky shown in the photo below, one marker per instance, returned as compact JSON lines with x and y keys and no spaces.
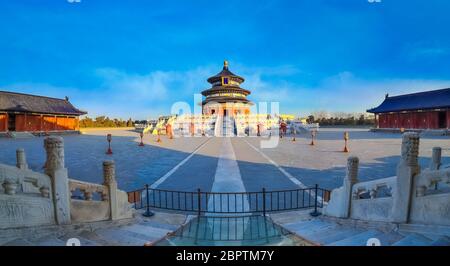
{"x":136,"y":58}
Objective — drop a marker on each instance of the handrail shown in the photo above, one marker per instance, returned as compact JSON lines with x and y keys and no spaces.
{"x":229,"y":202}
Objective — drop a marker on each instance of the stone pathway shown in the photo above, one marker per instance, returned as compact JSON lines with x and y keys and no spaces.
{"x":257,"y":171}
{"x":163,"y":178}
{"x":288,"y":175}
{"x":227,"y":179}
{"x":198,"y":171}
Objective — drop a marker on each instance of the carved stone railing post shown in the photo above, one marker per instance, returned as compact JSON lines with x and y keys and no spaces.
{"x":350,"y":179}
{"x":109,"y":180}
{"x":406,"y":170}
{"x":54,"y":167}
{"x":436,"y":158}
{"x":341,"y":198}
{"x":21,"y":159}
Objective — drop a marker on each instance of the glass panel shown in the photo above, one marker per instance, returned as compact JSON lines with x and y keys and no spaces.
{"x":230,"y":231}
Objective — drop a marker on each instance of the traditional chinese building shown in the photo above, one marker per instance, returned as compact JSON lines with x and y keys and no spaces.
{"x":226,"y":97}
{"x":423,"y":110}
{"x":32,"y":113}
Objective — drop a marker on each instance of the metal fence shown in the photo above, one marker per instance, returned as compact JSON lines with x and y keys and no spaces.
{"x":201,"y":202}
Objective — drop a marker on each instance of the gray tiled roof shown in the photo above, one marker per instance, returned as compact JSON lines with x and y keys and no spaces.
{"x":19,"y":102}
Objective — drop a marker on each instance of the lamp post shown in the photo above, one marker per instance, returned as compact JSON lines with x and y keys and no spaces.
{"x":346,"y":137}
{"x":141,"y":135}
{"x":313,"y":135}
{"x":109,"y":138}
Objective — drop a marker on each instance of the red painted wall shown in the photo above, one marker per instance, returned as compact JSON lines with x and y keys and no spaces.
{"x":45,"y":123}
{"x":33,"y":123}
{"x":40,"y":123}
{"x":412,"y":120}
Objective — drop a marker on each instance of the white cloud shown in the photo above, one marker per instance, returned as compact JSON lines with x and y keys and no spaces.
{"x":132,"y":87}
{"x":154,"y":86}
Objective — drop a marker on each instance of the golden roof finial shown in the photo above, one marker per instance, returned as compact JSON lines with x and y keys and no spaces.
{"x":225,"y":64}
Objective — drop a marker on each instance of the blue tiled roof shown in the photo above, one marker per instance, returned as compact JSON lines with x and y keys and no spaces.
{"x":415,"y":101}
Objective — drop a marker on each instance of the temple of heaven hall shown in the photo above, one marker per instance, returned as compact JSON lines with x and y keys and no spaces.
{"x":226,"y":97}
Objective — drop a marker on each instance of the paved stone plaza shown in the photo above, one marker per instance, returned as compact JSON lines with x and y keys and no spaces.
{"x":189,"y":163}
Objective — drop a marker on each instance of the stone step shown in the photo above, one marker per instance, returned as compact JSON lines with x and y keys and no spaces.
{"x":122,"y":237}
{"x":164,"y":226}
{"x":308,"y":233}
{"x":18,"y":242}
{"x":83,"y":241}
{"x":358,"y":239}
{"x":387,"y":239}
{"x":19,"y":135}
{"x":151,"y":233}
{"x":5,"y":239}
{"x":433,"y":237}
{"x":414,"y":239}
{"x":443,"y":241}
{"x":438,"y":230}
{"x":314,"y":230}
{"x":304,"y":227}
{"x":49,"y":241}
{"x":95,"y":238}
{"x":334,"y":234}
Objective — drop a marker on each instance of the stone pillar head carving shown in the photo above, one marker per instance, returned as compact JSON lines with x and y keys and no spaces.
{"x":21,"y":159}
{"x":54,"y":147}
{"x":109,"y":172}
{"x":352,"y":169}
{"x":410,"y":148}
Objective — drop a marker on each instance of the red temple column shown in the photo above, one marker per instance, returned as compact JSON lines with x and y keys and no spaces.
{"x":25,"y":128}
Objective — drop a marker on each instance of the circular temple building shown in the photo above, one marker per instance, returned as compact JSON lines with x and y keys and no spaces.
{"x":226,"y":97}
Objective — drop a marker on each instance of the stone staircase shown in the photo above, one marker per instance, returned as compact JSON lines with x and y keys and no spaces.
{"x":20,"y":135}
{"x":140,"y":231}
{"x":135,"y":232}
{"x":228,"y":127}
{"x":218,"y":126}
{"x":332,"y":233}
